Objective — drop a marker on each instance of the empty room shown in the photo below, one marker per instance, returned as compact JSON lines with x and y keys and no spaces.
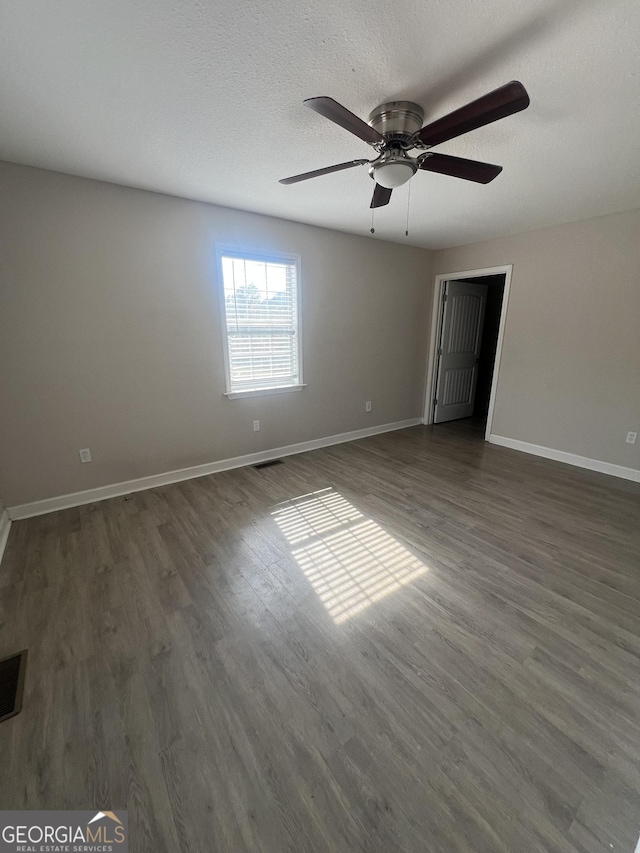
{"x":319,"y":415}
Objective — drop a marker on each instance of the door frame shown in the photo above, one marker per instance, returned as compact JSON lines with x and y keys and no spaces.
{"x":436,"y":330}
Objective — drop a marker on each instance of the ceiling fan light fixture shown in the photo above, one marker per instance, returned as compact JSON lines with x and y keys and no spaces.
{"x":393,"y":173}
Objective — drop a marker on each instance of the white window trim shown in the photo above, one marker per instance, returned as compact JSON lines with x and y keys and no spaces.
{"x":264,"y":392}
{"x":273,"y":257}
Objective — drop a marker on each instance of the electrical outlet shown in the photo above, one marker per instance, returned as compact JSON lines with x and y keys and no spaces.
{"x":85,"y":455}
{"x":631,"y":437}
{"x":367,"y":406}
{"x":256,"y":426}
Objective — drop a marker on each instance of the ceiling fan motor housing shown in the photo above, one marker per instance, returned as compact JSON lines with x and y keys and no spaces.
{"x":397,"y":121}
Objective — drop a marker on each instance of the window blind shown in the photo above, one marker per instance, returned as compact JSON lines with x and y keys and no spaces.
{"x":261,"y":317}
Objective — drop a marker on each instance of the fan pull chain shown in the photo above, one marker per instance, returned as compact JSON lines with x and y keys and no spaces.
{"x":373,"y":230}
{"x":406,"y":233}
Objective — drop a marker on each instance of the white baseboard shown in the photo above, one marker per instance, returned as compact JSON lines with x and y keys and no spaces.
{"x":569,"y":458}
{"x":116,"y":489}
{"x":5,"y":526}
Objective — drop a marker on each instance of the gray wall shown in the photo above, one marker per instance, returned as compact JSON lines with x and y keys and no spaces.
{"x":110,"y":334}
{"x":570,"y":372}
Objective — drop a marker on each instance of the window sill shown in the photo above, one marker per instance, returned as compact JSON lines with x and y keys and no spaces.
{"x":263,"y":392}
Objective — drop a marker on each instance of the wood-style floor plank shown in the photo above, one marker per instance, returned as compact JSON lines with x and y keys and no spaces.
{"x":414,"y":642}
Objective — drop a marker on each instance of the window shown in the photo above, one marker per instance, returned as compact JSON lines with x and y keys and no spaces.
{"x":260,"y":298}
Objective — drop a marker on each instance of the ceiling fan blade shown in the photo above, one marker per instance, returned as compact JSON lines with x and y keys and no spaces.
{"x":502,"y":102}
{"x":458,"y":167}
{"x":381,"y":196}
{"x":338,"y":114}
{"x":317,"y":172}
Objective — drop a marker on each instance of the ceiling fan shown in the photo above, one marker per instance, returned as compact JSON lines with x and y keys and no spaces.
{"x":395,"y":128}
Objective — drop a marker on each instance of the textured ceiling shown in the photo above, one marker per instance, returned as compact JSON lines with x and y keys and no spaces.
{"x":204,"y":100}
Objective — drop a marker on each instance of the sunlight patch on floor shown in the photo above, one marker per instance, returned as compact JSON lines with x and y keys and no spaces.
{"x":350,"y":560}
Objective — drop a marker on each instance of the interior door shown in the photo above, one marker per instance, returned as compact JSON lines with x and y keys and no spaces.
{"x":463,"y":310}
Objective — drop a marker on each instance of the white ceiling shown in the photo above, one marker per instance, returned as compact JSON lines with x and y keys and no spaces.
{"x":203,"y":99}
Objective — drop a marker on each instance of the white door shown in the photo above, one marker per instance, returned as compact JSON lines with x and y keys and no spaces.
{"x":459,"y":352}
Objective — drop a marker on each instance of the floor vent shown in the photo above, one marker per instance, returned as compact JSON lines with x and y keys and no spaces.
{"x":268,"y":464}
{"x":11,"y":683}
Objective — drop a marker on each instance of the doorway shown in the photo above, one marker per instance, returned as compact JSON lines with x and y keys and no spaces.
{"x":468,"y":319}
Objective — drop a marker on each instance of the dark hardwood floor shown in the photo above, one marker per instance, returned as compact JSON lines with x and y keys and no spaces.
{"x":414,"y":642}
